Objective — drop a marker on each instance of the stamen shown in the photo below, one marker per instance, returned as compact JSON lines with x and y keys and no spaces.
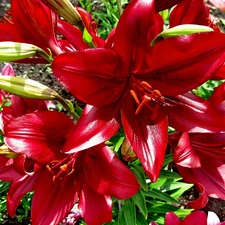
{"x":135,"y":97}
{"x":144,"y":101}
{"x":64,"y":167}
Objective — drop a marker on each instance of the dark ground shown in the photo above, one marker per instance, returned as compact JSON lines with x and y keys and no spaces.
{"x":43,"y":74}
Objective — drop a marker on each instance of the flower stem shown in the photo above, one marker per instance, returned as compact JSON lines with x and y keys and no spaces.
{"x":119,"y":5}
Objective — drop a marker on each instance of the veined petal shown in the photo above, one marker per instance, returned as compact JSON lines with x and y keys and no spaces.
{"x":184,"y":154}
{"x":10,"y":33}
{"x":95,"y":76}
{"x":110,"y":175}
{"x":52,"y":201}
{"x":7,"y":170}
{"x":72,"y":34}
{"x":34,"y":22}
{"x":19,"y":188}
{"x":161,"y":5}
{"x":131,"y":39}
{"x":39,"y":136}
{"x":96,"y":125}
{"x":190,"y":12}
{"x":180,"y":64}
{"x":193,"y":114}
{"x":172,"y":219}
{"x":146,"y":135}
{"x":95,"y":208}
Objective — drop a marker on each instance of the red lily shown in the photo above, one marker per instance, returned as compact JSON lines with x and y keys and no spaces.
{"x":190,"y":12}
{"x":59,"y":180}
{"x":194,"y":218}
{"x":200,"y":159}
{"x":130,"y":81}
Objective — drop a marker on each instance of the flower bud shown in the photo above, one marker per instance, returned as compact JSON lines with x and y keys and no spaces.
{"x":127,"y":152}
{"x":183,"y":29}
{"x":12,"y":51}
{"x":5,"y":151}
{"x":26,"y":88}
{"x":65,"y":9}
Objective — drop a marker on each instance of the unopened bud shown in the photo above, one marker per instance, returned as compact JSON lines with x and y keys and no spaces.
{"x":26,"y":88}
{"x":13,"y":51}
{"x":183,"y":29}
{"x":66,"y":10}
{"x":127,"y":152}
{"x":5,"y":151}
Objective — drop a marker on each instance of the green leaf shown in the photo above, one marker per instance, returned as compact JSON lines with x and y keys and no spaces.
{"x":154,"y":193}
{"x":140,"y":174}
{"x":139,"y":200}
{"x":140,"y":219}
{"x":129,"y":210}
{"x":169,"y":175}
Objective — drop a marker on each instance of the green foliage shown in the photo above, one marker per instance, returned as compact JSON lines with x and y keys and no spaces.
{"x":206,"y":89}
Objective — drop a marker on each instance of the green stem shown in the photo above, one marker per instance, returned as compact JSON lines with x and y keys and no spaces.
{"x":119,"y":5}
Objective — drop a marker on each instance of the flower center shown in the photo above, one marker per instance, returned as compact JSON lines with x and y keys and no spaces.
{"x":144,"y":94}
{"x":60,"y":169}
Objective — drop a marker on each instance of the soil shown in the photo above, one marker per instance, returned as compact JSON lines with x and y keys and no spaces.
{"x":43,"y":74}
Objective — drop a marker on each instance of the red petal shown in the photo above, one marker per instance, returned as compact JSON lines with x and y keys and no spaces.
{"x":96,"y":209}
{"x":147,"y":136}
{"x":39,"y":136}
{"x":95,"y":76}
{"x":72,"y":34}
{"x":201,"y":201}
{"x":172,"y":219}
{"x":110,"y":175}
{"x":193,"y":114}
{"x":19,"y":188}
{"x":190,"y":12}
{"x":10,"y":33}
{"x":7,"y":171}
{"x":189,"y":63}
{"x":195,"y":218}
{"x":184,"y":155}
{"x":35,"y":24}
{"x":161,"y":5}
{"x":52,"y":201}
{"x":131,"y":39}
{"x":96,"y":125}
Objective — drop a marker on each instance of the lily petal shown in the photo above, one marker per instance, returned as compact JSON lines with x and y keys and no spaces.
{"x":52,"y":201}
{"x":189,"y":64}
{"x":110,"y":176}
{"x":95,"y":208}
{"x":42,"y":141}
{"x":96,"y":125}
{"x":193,"y":114}
{"x":99,"y":69}
{"x":147,"y":136}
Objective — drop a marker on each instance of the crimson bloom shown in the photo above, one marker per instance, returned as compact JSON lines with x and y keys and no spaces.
{"x":59,"y":180}
{"x":195,"y":218}
{"x":131,"y":83}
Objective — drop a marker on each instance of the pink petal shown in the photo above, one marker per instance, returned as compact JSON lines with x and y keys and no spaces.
{"x":96,"y":125}
{"x":110,"y":175}
{"x":95,"y":208}
{"x":147,"y":135}
{"x":8,"y":70}
{"x":39,"y":136}
{"x":95,"y":76}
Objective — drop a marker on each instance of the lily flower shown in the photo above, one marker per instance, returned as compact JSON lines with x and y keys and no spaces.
{"x":59,"y":180}
{"x":194,"y":218}
{"x":200,"y":159}
{"x":131,"y":83}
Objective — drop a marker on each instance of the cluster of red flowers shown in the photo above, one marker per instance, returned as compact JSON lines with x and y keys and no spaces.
{"x":138,"y":79}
